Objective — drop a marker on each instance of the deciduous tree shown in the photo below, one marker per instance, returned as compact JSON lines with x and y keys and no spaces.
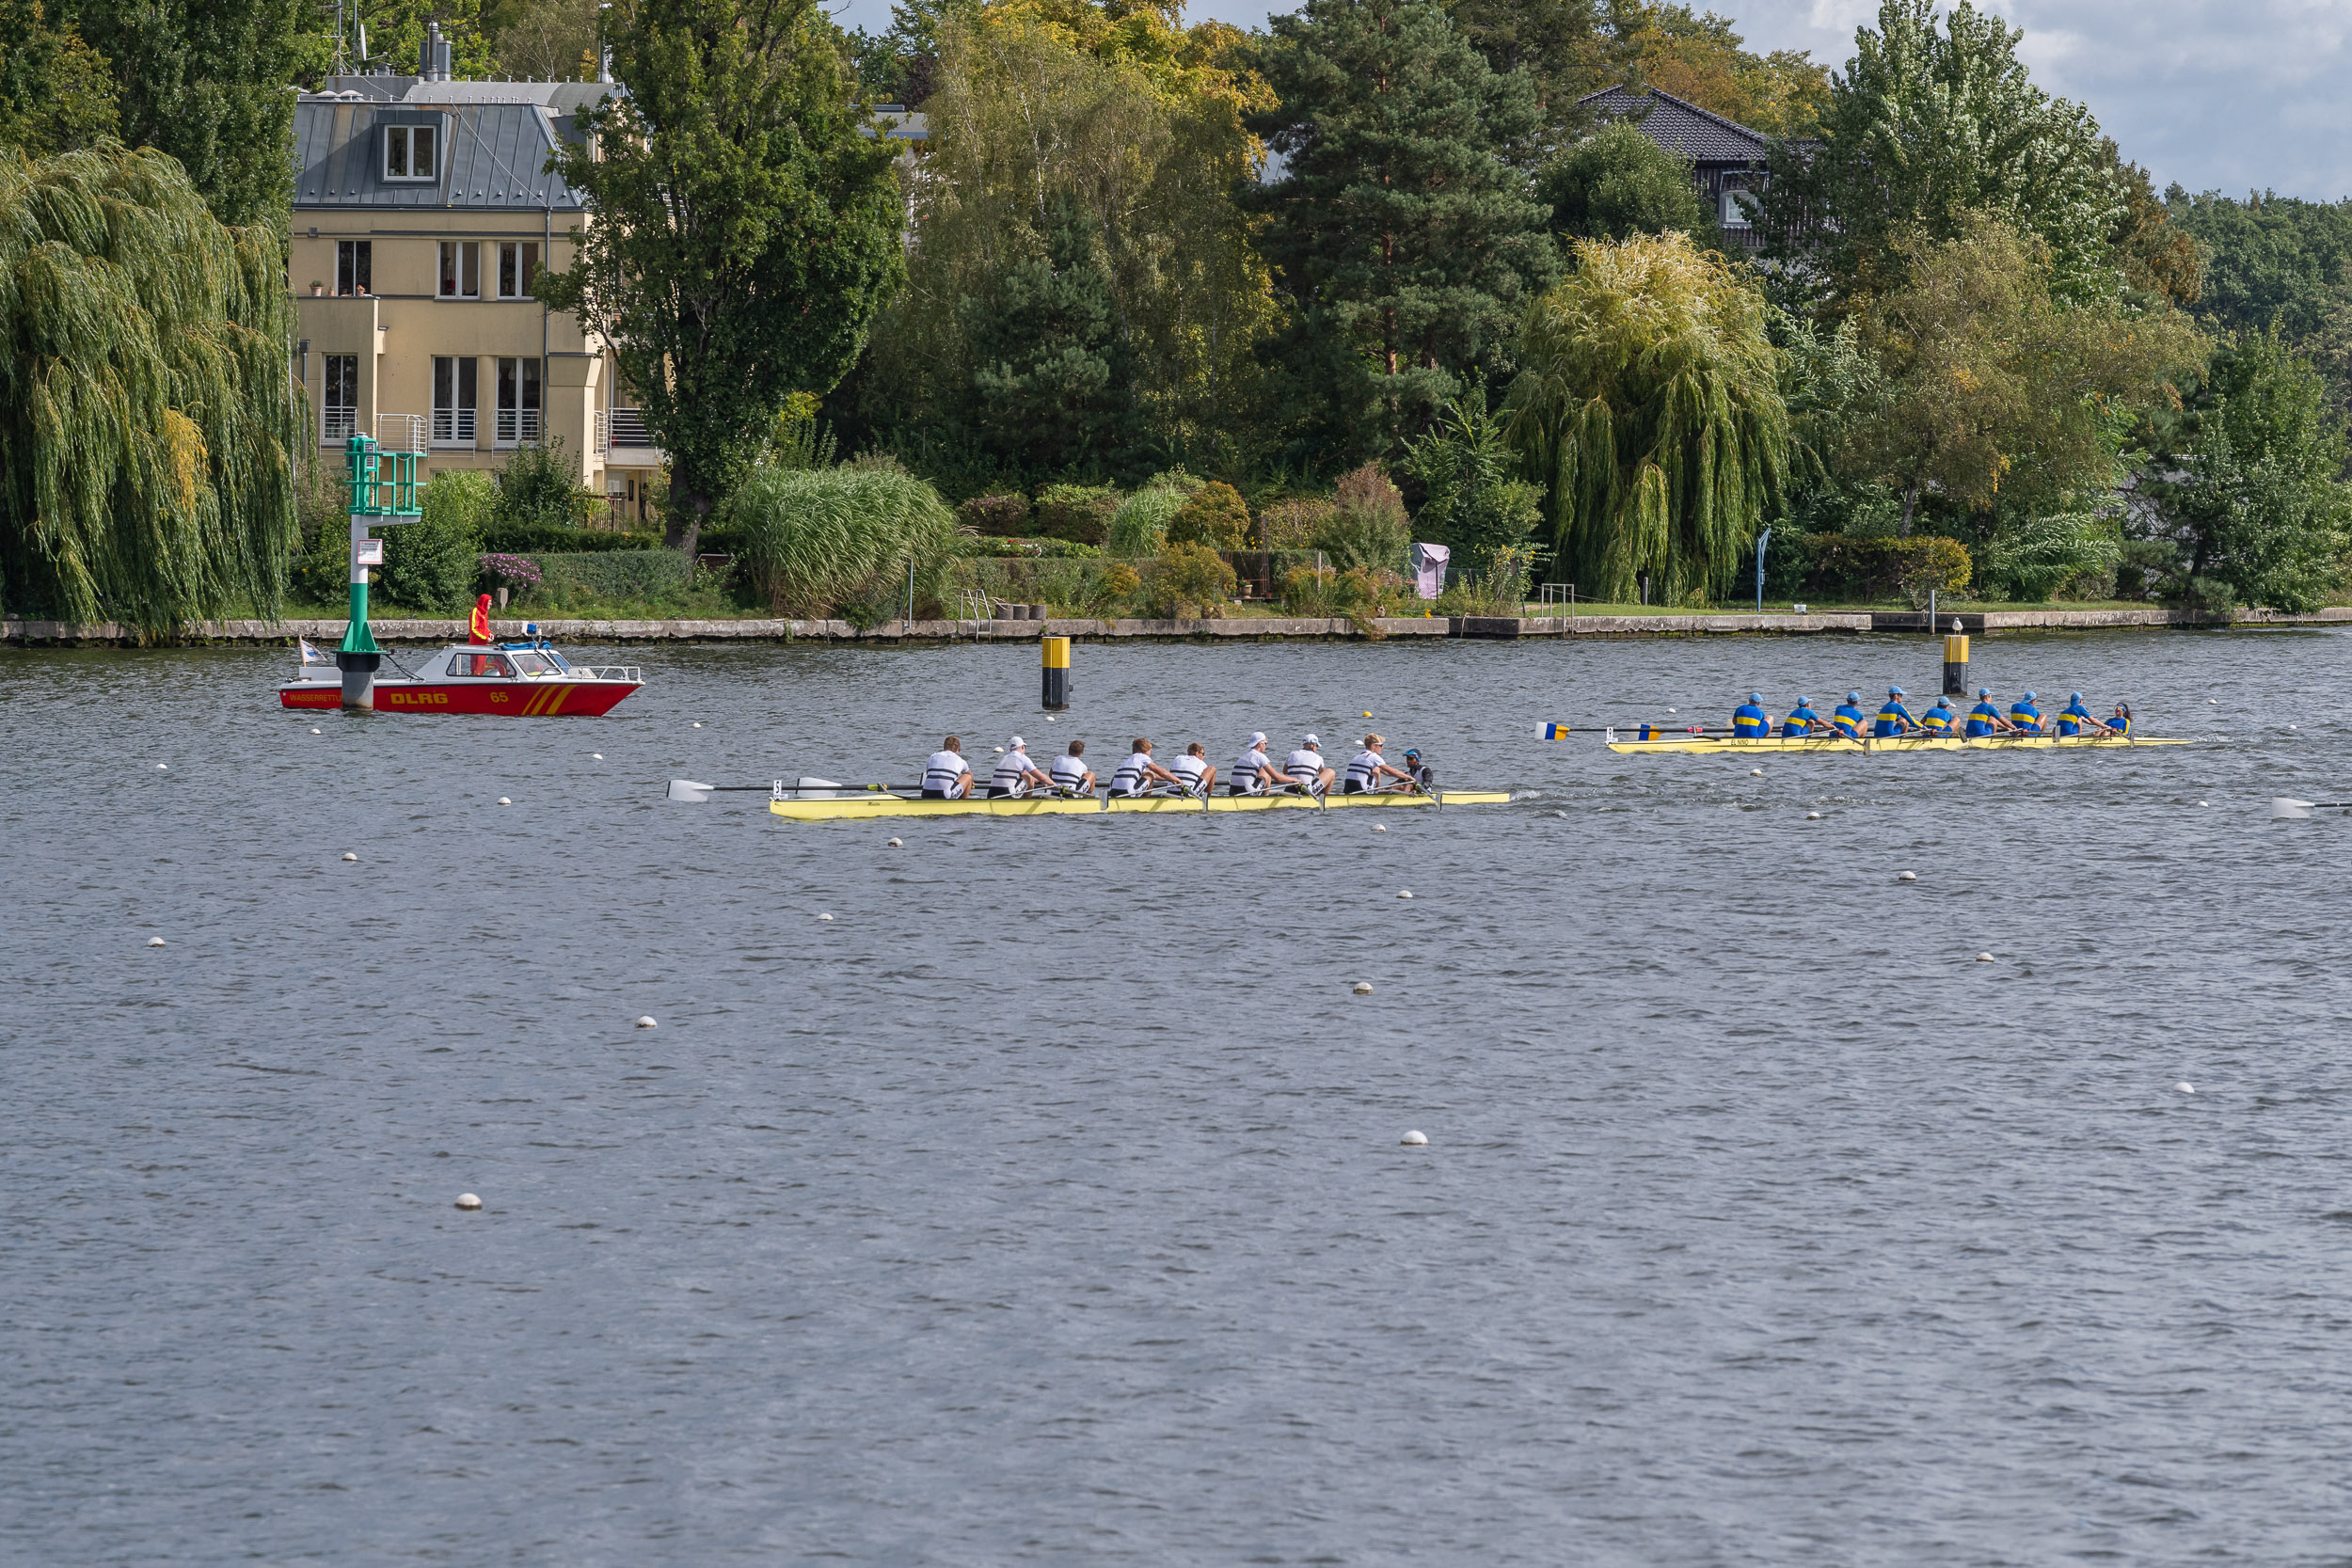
{"x":1618,"y":182}
{"x":746,"y":233}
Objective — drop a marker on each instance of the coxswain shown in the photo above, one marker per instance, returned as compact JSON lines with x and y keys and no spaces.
{"x":1015,"y":773}
{"x":1749,"y":722}
{"x":1802,"y":719}
{"x":1894,"y":718}
{"x":1253,"y":771}
{"x":1850,"y":718}
{"x":946,"y":776}
{"x":1368,"y":770}
{"x":1072,"y":775}
{"x":1985,"y":718}
{"x":1138,"y":773}
{"x":1195,"y":774}
{"x":1940,"y":719}
{"x":2120,"y":723}
{"x":2073,"y":718}
{"x":1422,"y":775}
{"x":2023,"y":717}
{"x":1307,"y":769}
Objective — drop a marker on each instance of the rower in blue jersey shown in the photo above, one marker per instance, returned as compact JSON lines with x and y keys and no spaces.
{"x":1940,"y":719}
{"x":1985,"y":718}
{"x":1894,"y":718}
{"x":2025,"y":717}
{"x":2120,"y":722}
{"x":1749,"y":722}
{"x":1802,"y":719}
{"x":2073,"y":718}
{"x":1850,"y":717}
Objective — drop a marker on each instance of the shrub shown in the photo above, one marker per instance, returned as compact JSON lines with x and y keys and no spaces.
{"x":540,"y":485}
{"x":610,"y":575}
{"x":525,"y":538}
{"x":1367,"y":525}
{"x":1078,"y":513}
{"x":1217,"y":517}
{"x":429,"y":564}
{"x":1291,"y":525}
{"x":1357,"y":594}
{"x":1120,"y":581}
{"x":2041,"y":556}
{"x":995,"y":517}
{"x":1140,"y":527}
{"x":510,"y":571}
{"x":814,"y":538}
{"x":1892,"y":567}
{"x":1190,"y":577}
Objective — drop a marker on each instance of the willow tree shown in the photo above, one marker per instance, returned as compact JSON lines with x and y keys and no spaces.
{"x":1648,"y":405}
{"x":147,"y":419}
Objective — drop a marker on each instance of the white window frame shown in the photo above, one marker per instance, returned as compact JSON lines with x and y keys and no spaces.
{"x":1735,"y":212}
{"x":521,"y":421}
{"x":406,"y":137}
{"x":514,"y":259}
{"x":453,"y":423}
{"x":458,"y":261}
{"x":337,"y":422}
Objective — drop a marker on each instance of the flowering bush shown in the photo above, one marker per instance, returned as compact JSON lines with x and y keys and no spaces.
{"x":513,"y":571}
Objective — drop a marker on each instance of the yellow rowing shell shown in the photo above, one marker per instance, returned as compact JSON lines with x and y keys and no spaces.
{"x":1707,"y":744}
{"x":858,"y":808}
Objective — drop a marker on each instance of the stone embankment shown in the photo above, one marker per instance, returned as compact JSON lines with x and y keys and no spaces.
{"x":327,"y":633}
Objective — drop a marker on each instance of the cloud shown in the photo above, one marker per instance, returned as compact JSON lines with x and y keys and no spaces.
{"x":2233,"y":95}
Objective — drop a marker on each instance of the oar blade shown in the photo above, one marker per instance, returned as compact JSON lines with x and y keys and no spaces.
{"x":687,"y":789}
{"x":2283,"y":809}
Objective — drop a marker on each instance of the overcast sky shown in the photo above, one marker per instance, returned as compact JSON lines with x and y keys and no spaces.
{"x":2234,"y":95}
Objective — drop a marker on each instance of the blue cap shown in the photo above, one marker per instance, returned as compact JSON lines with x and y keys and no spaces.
{"x":1984,"y":691}
{"x":1756,"y":696}
{"x":1943,"y":702}
{"x":2030,"y":696}
{"x":1897,"y":691}
{"x":1853,"y":696}
{"x":1804,"y":701}
{"x":2074,"y":696}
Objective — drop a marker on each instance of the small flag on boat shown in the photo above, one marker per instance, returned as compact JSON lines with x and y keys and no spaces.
{"x":311,"y":655}
{"x":1555,"y":732}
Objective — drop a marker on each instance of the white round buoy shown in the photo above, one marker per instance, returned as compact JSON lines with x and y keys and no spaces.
{"x":1984,"y":957}
{"x":1363,"y":988}
{"x":998,"y":749}
{"x":314,"y":731}
{"x":1907,"y":876}
{"x":2290,"y":726}
{"x":1756,"y":772}
{"x":156,"y":941}
{"x":1414,"y":1140}
{"x":824,"y":917}
{"x":595,"y":756}
{"x":467,"y":1200}
{"x":898,"y":843}
{"x":648,"y":1023}
{"x":1813,"y":817}
{"x":2215,"y":701}
{"x":698,"y":723}
{"x":1049,"y":718}
{"x":1380,"y":827}
{"x":2200,"y":802}
{"x":504,"y":802}
{"x":166,"y":767}
{"x":1406,"y":893}
{"x":1561,"y":814}
{"x":349,"y":856}
{"x":2185,"y":1088}
{"x":1669,"y":710}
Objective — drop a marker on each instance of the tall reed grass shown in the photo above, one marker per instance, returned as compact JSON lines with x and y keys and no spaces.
{"x":813,"y":540}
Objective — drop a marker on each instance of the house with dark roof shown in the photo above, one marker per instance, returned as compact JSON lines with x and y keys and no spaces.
{"x":423,"y":212}
{"x":1727,"y":157}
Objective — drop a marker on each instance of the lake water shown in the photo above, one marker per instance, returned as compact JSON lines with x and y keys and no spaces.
{"x":1047,"y":1205}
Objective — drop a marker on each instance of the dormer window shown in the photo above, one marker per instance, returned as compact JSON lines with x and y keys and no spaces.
{"x":411,"y":153}
{"x":1735,"y":210}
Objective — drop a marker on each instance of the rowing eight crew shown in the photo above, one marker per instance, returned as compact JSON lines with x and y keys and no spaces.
{"x":948,"y":777}
{"x":1750,"y":720}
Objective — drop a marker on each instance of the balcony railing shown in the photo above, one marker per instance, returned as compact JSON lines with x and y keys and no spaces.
{"x":337,"y":425}
{"x":517,"y":426}
{"x":622,"y":427}
{"x":453,"y":427}
{"x":400,"y":432}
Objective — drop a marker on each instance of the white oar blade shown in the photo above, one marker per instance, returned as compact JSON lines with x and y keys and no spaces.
{"x":809,"y":789}
{"x":2280,"y":807}
{"x":687,"y":789}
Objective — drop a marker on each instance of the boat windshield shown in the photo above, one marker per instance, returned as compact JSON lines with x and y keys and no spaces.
{"x":533,"y":664}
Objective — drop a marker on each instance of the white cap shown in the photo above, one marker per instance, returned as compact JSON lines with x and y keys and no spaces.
{"x":1018,"y":743}
{"x":1312,"y":741}
{"x":1257,"y":737}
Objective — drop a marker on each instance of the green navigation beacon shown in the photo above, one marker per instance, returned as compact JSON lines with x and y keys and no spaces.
{"x":382,"y":491}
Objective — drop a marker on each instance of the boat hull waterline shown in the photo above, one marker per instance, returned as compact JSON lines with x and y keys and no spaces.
{"x":861,"y":807}
{"x":521,"y":699}
{"x":1706,"y":745}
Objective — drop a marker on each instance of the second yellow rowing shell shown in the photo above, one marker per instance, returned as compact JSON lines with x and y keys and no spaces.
{"x":858,"y":808}
{"x":1705,"y":744}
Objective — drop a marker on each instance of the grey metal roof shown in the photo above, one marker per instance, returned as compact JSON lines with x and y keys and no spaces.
{"x":1699,"y":134}
{"x":494,"y":149}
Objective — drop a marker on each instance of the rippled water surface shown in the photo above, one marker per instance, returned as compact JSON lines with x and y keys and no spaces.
{"x":1046,"y":1204}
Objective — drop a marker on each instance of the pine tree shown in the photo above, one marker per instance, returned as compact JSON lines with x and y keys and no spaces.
{"x":1403,"y":236}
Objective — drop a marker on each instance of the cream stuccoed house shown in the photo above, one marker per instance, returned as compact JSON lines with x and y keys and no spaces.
{"x":423,"y":213}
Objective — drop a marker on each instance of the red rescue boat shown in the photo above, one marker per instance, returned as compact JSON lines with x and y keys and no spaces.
{"x":528,"y":679}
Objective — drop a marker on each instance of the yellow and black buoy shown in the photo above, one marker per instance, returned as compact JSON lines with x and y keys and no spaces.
{"x":1056,"y":672}
{"x":1956,"y":665}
